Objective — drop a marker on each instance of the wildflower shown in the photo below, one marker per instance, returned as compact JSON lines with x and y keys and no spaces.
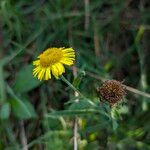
{"x":112,"y":91}
{"x":52,"y":61}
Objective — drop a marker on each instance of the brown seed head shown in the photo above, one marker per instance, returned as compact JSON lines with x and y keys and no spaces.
{"x":112,"y":91}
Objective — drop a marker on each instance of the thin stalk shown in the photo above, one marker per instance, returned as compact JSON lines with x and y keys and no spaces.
{"x":75,"y":141}
{"x":23,"y":136}
{"x":75,"y":134}
{"x":77,"y":92}
{"x":75,"y":124}
{"x":71,"y":86}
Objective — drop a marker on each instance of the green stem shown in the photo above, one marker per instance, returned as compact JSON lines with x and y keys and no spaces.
{"x":71,"y":85}
{"x":76,"y":90}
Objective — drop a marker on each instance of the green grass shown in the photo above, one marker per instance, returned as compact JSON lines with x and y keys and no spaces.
{"x":111,"y":42}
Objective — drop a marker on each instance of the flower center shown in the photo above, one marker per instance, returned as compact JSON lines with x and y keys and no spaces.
{"x":50,"y":57}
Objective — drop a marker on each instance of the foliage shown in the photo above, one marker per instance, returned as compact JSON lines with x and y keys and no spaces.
{"x":111,"y":42}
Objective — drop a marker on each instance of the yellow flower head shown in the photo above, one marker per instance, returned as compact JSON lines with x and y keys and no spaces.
{"x":52,"y":61}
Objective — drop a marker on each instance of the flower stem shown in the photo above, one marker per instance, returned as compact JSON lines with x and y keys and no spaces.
{"x":71,"y":85}
{"x":75,"y":127}
{"x":75,"y":132}
{"x":77,"y":92}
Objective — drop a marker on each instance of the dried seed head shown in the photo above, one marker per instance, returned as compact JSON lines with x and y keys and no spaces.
{"x":112,"y":91}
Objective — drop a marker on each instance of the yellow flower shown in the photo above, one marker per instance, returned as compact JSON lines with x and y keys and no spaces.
{"x":52,"y":61}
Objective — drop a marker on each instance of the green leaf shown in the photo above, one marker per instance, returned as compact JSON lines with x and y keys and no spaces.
{"x":25,"y":80}
{"x":75,"y":112}
{"x":72,"y":112}
{"x":22,"y":109}
{"x":82,"y":107}
{"x":81,"y":104}
{"x":5,"y":111}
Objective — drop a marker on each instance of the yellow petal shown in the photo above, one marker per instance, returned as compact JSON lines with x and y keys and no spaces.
{"x":55,"y":71}
{"x":36,"y":71}
{"x":60,"y":68}
{"x":67,"y":61}
{"x":48,"y":74}
{"x":69,"y":58}
{"x":69,"y":55}
{"x":68,"y":50}
{"x":41,"y":74}
{"x":36,"y":62}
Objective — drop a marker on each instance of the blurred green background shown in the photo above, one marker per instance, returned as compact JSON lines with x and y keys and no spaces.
{"x":110,"y":38}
